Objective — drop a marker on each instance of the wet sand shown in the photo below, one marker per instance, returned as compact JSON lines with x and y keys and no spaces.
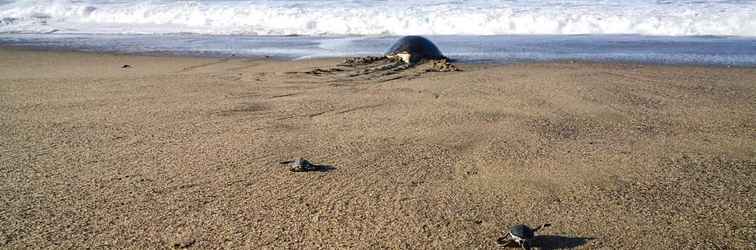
{"x":178,"y":152}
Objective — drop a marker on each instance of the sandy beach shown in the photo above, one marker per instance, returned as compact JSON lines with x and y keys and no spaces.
{"x":182,"y":152}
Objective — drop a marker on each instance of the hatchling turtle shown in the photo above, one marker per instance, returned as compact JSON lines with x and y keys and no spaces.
{"x":413,"y":49}
{"x":300,"y":165}
{"x":521,"y":234}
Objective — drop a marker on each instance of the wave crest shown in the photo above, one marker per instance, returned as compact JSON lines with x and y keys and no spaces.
{"x":429,"y":17}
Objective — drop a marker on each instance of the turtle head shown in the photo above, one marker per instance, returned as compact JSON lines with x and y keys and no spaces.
{"x":406,"y":57}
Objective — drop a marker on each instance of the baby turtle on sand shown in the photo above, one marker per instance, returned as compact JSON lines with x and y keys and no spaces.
{"x":301,"y":165}
{"x":522,"y":234}
{"x":413,"y":49}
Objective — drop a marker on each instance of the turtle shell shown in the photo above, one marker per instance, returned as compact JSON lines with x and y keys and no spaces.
{"x":419,"y":48}
{"x":300,"y":165}
{"x":522,"y":231}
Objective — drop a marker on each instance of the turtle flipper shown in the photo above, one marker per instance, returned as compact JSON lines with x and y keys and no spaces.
{"x":504,"y":241}
{"x":525,"y":245}
{"x":541,"y":226}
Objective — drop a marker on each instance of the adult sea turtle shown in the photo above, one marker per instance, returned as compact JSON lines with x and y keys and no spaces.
{"x":413,"y":49}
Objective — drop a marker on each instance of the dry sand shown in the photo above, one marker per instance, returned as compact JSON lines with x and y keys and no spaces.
{"x":184,"y":152}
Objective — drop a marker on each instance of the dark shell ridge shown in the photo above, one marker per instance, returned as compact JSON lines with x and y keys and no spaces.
{"x":419,"y":47}
{"x":522,"y":231}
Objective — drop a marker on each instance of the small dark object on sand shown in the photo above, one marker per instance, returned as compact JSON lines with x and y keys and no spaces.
{"x":413,"y":49}
{"x":521,"y":234}
{"x":126,"y":66}
{"x":301,"y":165}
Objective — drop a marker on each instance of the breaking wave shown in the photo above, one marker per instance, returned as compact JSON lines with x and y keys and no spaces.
{"x":388,"y":17}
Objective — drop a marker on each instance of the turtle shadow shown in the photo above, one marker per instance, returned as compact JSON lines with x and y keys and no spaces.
{"x":559,"y":242}
{"x":322,"y":168}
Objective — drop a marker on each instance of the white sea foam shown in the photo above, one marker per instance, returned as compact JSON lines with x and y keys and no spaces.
{"x":388,"y":17}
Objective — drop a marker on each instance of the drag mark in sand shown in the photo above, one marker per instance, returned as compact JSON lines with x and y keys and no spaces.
{"x":284,"y":95}
{"x":374,"y":70}
{"x":320,"y":113}
{"x":193,"y":67}
{"x":243,"y":109}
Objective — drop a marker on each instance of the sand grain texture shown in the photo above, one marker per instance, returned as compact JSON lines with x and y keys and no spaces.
{"x":183,"y":153}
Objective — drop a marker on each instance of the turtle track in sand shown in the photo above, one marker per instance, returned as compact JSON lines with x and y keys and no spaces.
{"x":377,"y":69}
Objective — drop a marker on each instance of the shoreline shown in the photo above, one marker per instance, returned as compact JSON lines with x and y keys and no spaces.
{"x":633,"y":49}
{"x":42,"y":49}
{"x":178,"y":152}
{"x":320,"y":59}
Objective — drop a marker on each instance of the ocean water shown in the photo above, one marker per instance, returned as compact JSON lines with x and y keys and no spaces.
{"x":383,"y":17}
{"x":719,"y":32}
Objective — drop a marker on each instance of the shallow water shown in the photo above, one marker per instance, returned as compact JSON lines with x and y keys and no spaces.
{"x":702,"y":50}
{"x":713,"y":32}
